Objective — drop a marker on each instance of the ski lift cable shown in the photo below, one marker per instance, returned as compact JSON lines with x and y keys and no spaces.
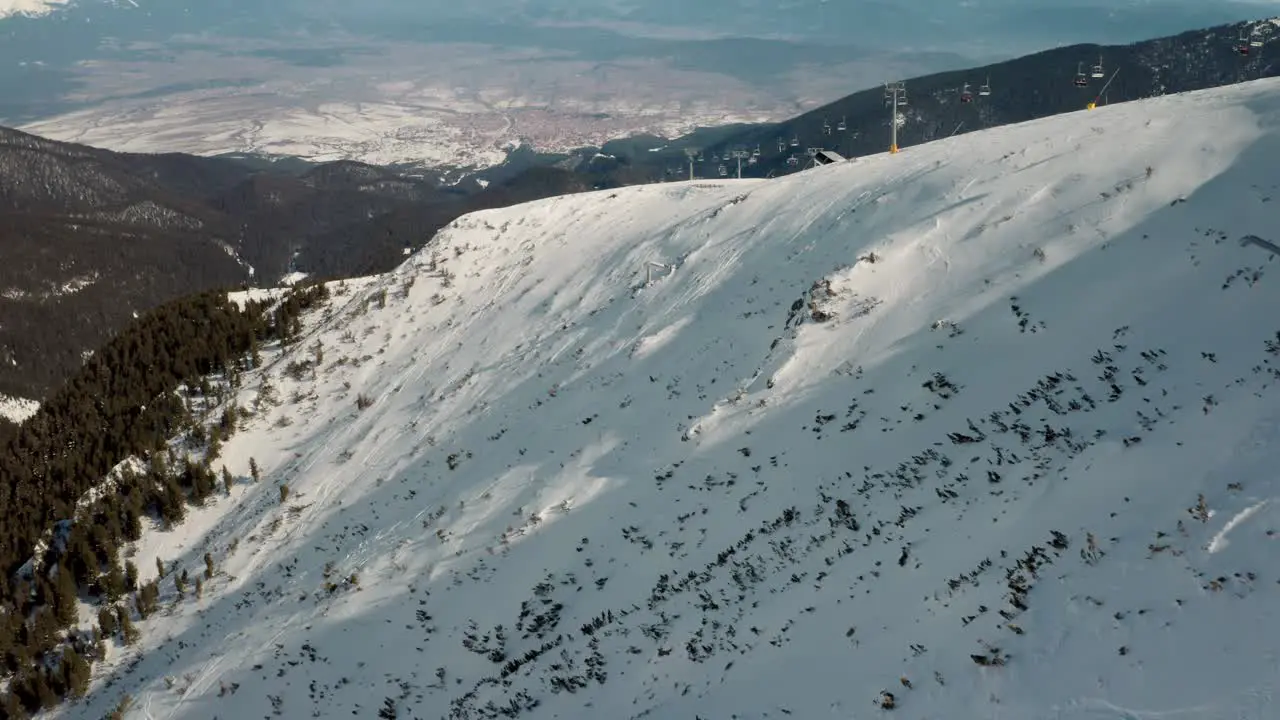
{"x":1103,"y":91}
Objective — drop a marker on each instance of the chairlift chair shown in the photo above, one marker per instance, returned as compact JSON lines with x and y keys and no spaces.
{"x":756,"y":153}
{"x":826,"y":128}
{"x":795,"y":141}
{"x":842,"y":126}
{"x":723,"y":171}
{"x":1242,"y":42}
{"x":1097,"y":69}
{"x":985,"y":90}
{"x":1081,"y":79}
{"x":1256,"y":39}
{"x":965,"y":95}
{"x":793,"y":160}
{"x":782,"y":145}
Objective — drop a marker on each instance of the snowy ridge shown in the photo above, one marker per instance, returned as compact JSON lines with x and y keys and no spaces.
{"x":966,"y":425}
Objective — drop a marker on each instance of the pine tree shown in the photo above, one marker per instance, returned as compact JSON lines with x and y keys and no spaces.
{"x":227,"y":480}
{"x":199,"y":588}
{"x":388,"y":711}
{"x":214,"y":449}
{"x":8,"y":633}
{"x":147,"y":597}
{"x":227,"y":424}
{"x":11,"y":708}
{"x":159,"y":567}
{"x":284,"y":493}
{"x":253,"y":470}
{"x":128,"y":632}
{"x":66,"y":596}
{"x":130,"y":576}
{"x":75,"y":673}
{"x":208,"y":565}
{"x":113,"y":583}
{"x":44,"y":691}
{"x":44,"y":631}
{"x":107,"y":622}
{"x":133,"y":512}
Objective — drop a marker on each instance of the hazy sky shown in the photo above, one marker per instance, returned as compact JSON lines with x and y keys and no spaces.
{"x":979,"y":29}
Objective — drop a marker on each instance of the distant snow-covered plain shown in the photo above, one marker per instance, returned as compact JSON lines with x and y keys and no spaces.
{"x":440,"y":105}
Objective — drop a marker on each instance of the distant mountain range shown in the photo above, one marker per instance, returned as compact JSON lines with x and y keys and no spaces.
{"x":1022,"y":89}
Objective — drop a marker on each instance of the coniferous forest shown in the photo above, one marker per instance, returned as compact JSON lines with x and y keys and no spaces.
{"x":154,"y":381}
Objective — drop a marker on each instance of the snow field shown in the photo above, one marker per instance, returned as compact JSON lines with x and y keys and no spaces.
{"x":824,"y":457}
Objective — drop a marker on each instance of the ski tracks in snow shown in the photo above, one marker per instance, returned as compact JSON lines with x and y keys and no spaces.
{"x":1219,"y":541}
{"x":1253,"y":704}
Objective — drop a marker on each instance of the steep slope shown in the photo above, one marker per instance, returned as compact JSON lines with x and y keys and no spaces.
{"x":989,"y":425}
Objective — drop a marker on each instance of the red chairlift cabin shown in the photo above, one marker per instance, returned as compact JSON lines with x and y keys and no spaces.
{"x":965,"y":95}
{"x":1242,"y":45}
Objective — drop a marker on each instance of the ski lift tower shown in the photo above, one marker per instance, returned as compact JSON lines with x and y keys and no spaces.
{"x":895,"y":96}
{"x":740,"y":155}
{"x":691,"y":153}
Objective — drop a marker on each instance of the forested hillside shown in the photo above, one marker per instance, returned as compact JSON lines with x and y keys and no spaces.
{"x":70,"y":504}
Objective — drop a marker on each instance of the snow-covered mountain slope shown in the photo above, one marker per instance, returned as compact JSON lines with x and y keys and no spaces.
{"x":990,"y":425}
